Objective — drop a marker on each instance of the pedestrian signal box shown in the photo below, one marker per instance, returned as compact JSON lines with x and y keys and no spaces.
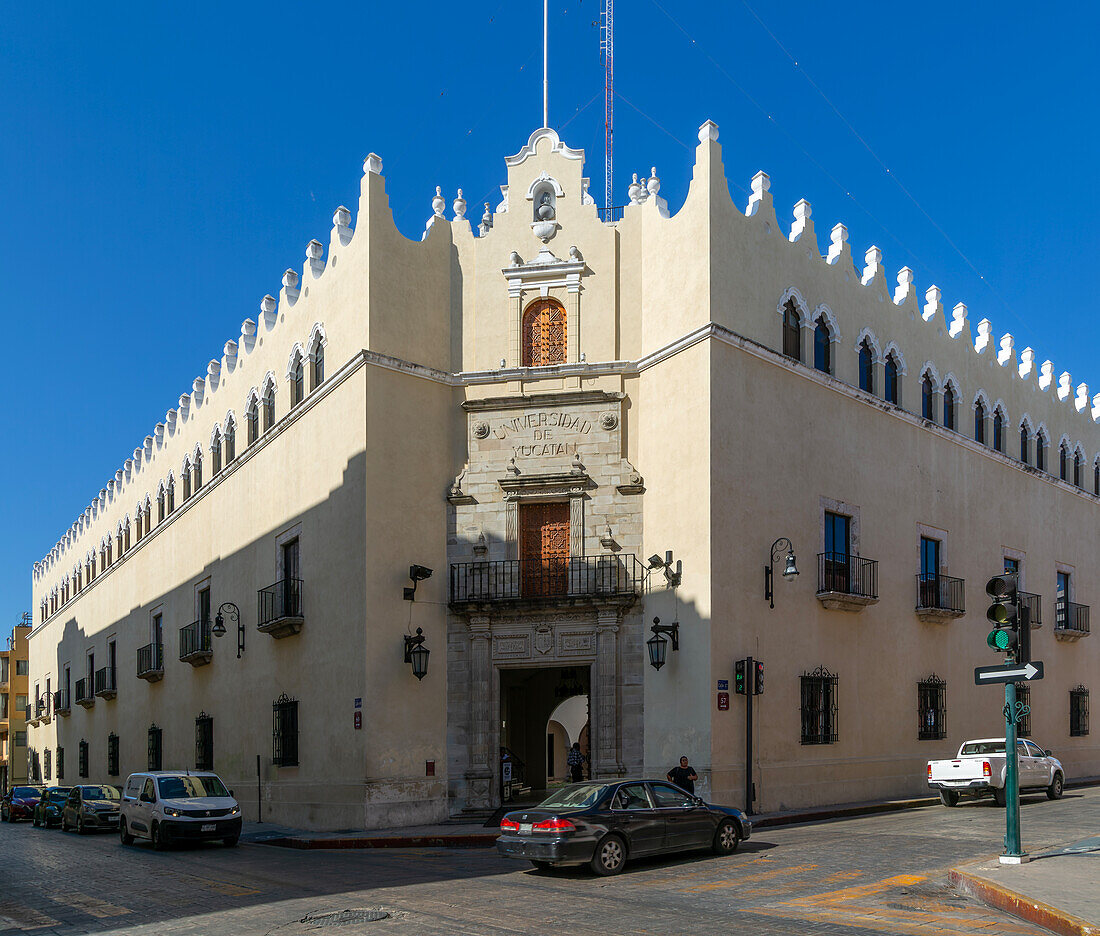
{"x":739,"y":677}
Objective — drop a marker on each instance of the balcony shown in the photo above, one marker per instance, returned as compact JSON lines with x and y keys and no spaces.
{"x":84,"y":694}
{"x":940,"y":598}
{"x":61,"y":702}
{"x":1071,"y":621}
{"x":195,"y":645}
{"x":1031,"y":607}
{"x":150,"y":662}
{"x":280,"y":611}
{"x":580,"y":580}
{"x":846,"y":583}
{"x":106,"y":686}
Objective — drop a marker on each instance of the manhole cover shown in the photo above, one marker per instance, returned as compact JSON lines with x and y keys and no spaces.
{"x":345,"y":917}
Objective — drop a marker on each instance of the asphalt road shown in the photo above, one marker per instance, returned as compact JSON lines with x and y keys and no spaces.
{"x":875,"y":874}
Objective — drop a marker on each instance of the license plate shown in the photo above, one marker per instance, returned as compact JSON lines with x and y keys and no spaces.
{"x":525,"y":828}
{"x":209,"y":827}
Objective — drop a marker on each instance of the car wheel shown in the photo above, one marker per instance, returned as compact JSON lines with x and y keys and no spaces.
{"x":231,"y":842}
{"x":610,"y":856}
{"x":726,"y":838}
{"x":1054,"y":791}
{"x":124,"y":834}
{"x":159,"y":841}
{"x":949,"y":797}
{"x":1000,"y":797}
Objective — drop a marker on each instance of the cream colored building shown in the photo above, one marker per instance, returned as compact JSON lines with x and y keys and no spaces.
{"x":531,"y":408}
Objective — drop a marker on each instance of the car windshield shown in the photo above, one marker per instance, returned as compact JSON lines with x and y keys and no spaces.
{"x":576,"y":796}
{"x":58,"y":796}
{"x":25,"y":792}
{"x":99,"y":792}
{"x":984,"y":747}
{"x":190,"y":787}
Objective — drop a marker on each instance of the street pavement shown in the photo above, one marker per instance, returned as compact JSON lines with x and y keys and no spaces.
{"x":879,"y":874}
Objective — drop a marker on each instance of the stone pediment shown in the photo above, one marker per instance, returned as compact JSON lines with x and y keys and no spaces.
{"x":549,"y":484}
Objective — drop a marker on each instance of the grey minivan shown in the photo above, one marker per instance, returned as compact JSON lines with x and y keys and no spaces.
{"x":168,"y":806}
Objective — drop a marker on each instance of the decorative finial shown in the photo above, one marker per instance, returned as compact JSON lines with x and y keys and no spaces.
{"x":708,"y":131}
{"x":459,"y":206}
{"x":373,"y":163}
{"x":486,"y":221}
{"x":802,"y":212}
{"x":932,"y":303}
{"x":653,"y":186}
{"x":838,"y":238}
{"x":905,"y":285}
{"x":873,"y":264}
{"x":633,"y":189}
{"x":438,"y":202}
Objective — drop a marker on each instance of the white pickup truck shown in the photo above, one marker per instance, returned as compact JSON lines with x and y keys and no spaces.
{"x":979,"y":767}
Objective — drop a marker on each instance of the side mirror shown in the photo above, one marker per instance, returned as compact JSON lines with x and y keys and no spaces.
{"x":234,"y":795}
{"x":1047,"y":753}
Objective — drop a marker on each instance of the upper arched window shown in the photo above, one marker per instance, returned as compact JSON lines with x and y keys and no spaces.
{"x":1025,"y":446}
{"x":161,"y":512}
{"x":949,"y":407}
{"x":297,"y":380}
{"x":1078,"y":480}
{"x":866,"y":367}
{"x":823,"y":347}
{"x":185,"y":473}
{"x":197,"y":472}
{"x":148,"y":512}
{"x":170,"y":496}
{"x":792,"y":331}
{"x":1063,"y":457}
{"x":216,"y":452}
{"x":927,"y":398}
{"x":979,"y":422}
{"x":1096,"y":477}
{"x":316,"y":363}
{"x":126,"y":534}
{"x":252,"y":419}
{"x":269,"y":406}
{"x":1041,"y":451}
{"x":998,"y":430}
{"x":893,"y":383}
{"x":544,"y":337}
{"x":230,"y":441}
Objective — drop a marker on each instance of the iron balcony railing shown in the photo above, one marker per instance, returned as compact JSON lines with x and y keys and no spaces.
{"x":619,"y":575}
{"x":84,"y":691}
{"x":613,"y":214}
{"x":849,"y":575}
{"x":941,"y":592}
{"x":105,"y":683}
{"x":1069,"y":616}
{"x":1032,"y":606}
{"x":278,"y":601}
{"x":195,"y":638}
{"x":150,"y":659}
{"x":61,"y":701}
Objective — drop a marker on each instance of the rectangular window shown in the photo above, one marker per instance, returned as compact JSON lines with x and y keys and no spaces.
{"x":21,"y":667}
{"x":156,"y":740}
{"x":112,"y":755}
{"x":47,"y":765}
{"x":82,"y":759}
{"x":1061,"y":601}
{"x":204,"y":742}
{"x":836,"y":565}
{"x":204,"y":604}
{"x":20,"y":739}
{"x":1023,"y":704}
{"x":1078,"y":712}
{"x":285,"y":734}
{"x":929,"y":596}
{"x":819,"y":707}
{"x":60,"y":763}
{"x":932,"y":709}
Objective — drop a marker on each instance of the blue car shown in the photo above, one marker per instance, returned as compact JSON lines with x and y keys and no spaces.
{"x":605,"y":824}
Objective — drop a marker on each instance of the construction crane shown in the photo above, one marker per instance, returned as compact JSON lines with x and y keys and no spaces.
{"x":607,"y":49}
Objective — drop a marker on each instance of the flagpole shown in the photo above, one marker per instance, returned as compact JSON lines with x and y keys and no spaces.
{"x":545,"y":71}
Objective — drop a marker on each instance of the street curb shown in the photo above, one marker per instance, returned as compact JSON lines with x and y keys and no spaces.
{"x":826,"y":813}
{"x":470,"y":840}
{"x":1026,"y":908}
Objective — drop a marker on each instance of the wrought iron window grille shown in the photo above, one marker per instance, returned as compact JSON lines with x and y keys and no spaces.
{"x":932,"y":709}
{"x":285,"y":732}
{"x":60,"y":763}
{"x":155,"y":747}
{"x":204,"y":742}
{"x":1078,"y":712}
{"x":819,"y":707}
{"x":112,"y":755}
{"x":82,"y":759}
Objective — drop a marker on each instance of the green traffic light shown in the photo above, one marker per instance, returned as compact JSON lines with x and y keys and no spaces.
{"x":999,"y":639}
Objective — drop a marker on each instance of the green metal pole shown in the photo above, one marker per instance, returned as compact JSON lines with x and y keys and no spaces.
{"x":1013,"y":848}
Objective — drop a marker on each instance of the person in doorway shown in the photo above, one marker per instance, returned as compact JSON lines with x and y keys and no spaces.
{"x":575,"y":760}
{"x":684,"y":776}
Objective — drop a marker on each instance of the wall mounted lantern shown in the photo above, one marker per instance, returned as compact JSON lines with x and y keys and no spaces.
{"x":790,"y":570}
{"x":219,"y":623}
{"x":417,"y":573}
{"x":416,"y":654}
{"x":658,"y":646}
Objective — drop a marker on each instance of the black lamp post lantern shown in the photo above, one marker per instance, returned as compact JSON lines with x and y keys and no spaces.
{"x":219,"y":624}
{"x":658,"y":646}
{"x":416,"y":654}
{"x":790,"y":570}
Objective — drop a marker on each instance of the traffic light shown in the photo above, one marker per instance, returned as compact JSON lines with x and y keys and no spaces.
{"x":758,"y":678}
{"x":1004,"y":615}
{"x":739,"y":677}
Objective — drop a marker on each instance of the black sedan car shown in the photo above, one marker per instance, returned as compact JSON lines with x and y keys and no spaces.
{"x":604,"y":824}
{"x":47,"y":811}
{"x":91,"y":808}
{"x":19,"y":802}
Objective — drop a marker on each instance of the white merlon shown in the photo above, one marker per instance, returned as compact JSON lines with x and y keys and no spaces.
{"x":148,"y":442}
{"x":198,"y":385}
{"x":933,"y":304}
{"x":904,"y":288}
{"x":1046,"y":375}
{"x":1007,"y":354}
{"x":184,"y":405}
{"x":1082,"y":398}
{"x":373,"y":163}
{"x":1065,"y":387}
{"x":1096,"y":407}
{"x":985,"y":334}
{"x":248,"y":328}
{"x":1027,"y":363}
{"x":761,"y":183}
{"x":803,"y":226}
{"x":872,"y":265}
{"x":959,"y":324}
{"x":269,"y":308}
{"x":230,"y":351}
{"x":459,"y":206}
{"x":341,"y":226}
{"x":708,"y":132}
{"x":314,"y":251}
{"x":839,"y":240}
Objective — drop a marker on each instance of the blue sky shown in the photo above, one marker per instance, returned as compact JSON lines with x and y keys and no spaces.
{"x":164,"y":163}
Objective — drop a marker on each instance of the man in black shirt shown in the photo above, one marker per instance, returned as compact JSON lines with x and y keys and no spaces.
{"x":684,"y":776}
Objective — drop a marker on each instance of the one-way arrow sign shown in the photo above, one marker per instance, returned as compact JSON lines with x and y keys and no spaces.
{"x":984,"y":675}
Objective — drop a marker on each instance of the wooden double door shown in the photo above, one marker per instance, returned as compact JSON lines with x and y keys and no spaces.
{"x":544,"y":549}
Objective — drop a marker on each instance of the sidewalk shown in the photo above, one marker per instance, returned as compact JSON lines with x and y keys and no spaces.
{"x":1058,"y":889}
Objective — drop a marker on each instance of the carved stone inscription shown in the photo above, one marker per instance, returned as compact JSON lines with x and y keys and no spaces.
{"x":538,"y":435}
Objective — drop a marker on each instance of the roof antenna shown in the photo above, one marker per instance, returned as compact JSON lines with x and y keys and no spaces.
{"x":545,"y":67}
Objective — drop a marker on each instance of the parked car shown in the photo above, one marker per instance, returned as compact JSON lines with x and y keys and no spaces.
{"x":91,"y":808}
{"x":47,"y":811}
{"x":169,"y":806}
{"x":605,"y":824}
{"x":980,"y":768}
{"x":19,"y":802}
